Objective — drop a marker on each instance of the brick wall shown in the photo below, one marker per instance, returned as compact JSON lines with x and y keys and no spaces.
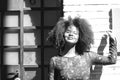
{"x":99,"y":15}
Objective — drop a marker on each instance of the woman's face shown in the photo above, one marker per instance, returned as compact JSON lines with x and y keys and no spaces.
{"x":71,"y":34}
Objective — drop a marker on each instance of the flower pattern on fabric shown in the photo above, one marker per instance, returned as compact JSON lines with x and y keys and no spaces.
{"x":76,"y":68}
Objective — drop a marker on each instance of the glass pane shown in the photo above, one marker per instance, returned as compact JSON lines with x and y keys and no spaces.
{"x":32,"y":57}
{"x":46,"y":72}
{"x":32,"y":18}
{"x":48,"y":53}
{"x":32,"y":38}
{"x":33,"y":74}
{"x":52,"y":3}
{"x":11,"y":19}
{"x":10,"y":58}
{"x":51,"y":17}
{"x":11,"y":39}
{"x":32,"y":4}
{"x":12,"y":4}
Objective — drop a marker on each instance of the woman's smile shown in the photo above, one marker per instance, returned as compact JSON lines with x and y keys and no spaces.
{"x":71,"y":34}
{"x":70,"y":38}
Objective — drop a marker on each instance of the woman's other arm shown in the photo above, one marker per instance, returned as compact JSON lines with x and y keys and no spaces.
{"x":111,"y":59}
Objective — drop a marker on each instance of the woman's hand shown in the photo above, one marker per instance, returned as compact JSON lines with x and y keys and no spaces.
{"x":112,"y":47}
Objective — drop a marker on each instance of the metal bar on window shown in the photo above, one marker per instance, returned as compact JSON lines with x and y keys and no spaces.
{"x":42,"y":40}
{"x":21,"y":40}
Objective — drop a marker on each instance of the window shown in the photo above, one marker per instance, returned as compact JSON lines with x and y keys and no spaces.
{"x":23,"y":32}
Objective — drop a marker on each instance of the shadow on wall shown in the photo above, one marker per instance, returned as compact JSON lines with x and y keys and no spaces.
{"x":96,"y":70}
{"x":35,"y":17}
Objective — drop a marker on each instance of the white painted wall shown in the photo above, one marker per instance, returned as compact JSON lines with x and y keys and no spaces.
{"x":116,"y":25}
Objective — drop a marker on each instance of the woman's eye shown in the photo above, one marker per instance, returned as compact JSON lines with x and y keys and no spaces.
{"x":75,"y":33}
{"x":67,"y":31}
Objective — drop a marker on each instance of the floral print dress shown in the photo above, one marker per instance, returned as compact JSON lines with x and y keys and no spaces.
{"x":77,"y":67}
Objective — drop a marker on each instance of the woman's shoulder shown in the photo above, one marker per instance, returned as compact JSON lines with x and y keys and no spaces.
{"x":91,"y":53}
{"x":54,"y":58}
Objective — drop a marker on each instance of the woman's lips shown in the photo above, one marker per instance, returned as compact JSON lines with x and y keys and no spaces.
{"x":70,"y":38}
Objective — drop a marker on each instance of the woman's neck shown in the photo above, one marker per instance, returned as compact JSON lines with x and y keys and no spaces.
{"x":70,"y":52}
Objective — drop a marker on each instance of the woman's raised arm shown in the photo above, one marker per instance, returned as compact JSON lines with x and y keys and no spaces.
{"x":105,"y":60}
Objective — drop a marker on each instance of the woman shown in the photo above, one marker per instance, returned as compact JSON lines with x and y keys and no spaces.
{"x":73,"y":37}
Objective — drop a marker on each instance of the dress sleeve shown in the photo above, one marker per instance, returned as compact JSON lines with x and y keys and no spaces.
{"x":51,"y":69}
{"x":105,"y":60}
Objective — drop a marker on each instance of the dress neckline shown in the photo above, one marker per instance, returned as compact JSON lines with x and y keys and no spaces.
{"x":70,"y":57}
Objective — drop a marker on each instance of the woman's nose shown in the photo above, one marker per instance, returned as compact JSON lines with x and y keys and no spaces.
{"x":71,"y":34}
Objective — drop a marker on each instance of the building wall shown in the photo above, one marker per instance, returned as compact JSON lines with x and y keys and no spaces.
{"x":103,"y":17}
{"x":116,"y":25}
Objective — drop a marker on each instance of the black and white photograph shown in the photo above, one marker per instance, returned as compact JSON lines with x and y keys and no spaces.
{"x":59,"y":40}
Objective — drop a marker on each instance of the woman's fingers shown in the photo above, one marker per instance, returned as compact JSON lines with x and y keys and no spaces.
{"x":113,"y":49}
